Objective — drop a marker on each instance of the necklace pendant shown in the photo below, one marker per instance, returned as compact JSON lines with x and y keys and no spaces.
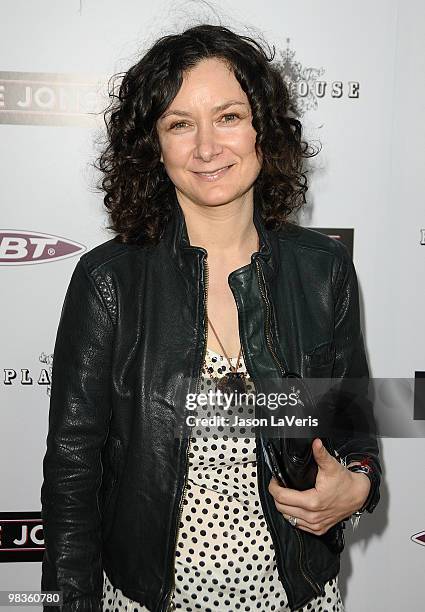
{"x":232,"y":383}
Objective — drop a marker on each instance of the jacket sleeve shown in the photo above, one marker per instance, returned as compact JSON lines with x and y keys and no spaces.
{"x":356,"y":436}
{"x":79,"y":417}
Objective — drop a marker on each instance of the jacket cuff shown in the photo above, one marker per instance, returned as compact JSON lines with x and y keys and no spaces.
{"x":375,"y":479}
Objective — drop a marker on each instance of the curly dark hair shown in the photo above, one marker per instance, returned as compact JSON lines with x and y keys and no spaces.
{"x":136,"y":184}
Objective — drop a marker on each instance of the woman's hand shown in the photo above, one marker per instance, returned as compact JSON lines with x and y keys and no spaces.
{"x":337,"y":493}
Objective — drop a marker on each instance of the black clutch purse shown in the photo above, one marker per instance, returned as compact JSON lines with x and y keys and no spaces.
{"x":291,"y":458}
{"x":292,"y":462}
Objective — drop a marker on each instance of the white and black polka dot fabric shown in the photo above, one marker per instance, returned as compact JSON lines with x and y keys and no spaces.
{"x":224,"y":555}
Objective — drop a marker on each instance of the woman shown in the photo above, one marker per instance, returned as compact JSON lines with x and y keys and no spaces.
{"x":205,"y":277}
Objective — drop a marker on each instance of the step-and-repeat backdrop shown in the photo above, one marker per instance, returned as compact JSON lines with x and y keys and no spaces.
{"x":358,"y":69}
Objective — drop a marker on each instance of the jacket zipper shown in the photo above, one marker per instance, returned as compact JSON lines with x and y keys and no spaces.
{"x":170,"y":606}
{"x":262,"y":285}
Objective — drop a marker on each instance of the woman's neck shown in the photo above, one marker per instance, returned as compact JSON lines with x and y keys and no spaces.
{"x":225,"y":229}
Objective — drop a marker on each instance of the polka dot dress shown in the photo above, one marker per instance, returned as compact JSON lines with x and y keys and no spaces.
{"x":224,"y":555}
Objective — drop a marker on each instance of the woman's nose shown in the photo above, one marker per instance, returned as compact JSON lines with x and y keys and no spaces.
{"x":207,"y":142}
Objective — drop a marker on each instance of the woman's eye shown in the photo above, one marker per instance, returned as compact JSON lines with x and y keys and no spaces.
{"x":231,"y":115}
{"x":176,"y":124}
{"x":179,"y":123}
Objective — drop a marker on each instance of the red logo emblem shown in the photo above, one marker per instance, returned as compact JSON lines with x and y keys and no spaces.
{"x":19,"y":247}
{"x":419,"y":538}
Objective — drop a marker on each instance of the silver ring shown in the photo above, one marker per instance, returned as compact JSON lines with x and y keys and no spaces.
{"x":292,"y":520}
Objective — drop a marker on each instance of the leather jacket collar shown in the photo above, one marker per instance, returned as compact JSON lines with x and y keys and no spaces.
{"x":176,"y":241}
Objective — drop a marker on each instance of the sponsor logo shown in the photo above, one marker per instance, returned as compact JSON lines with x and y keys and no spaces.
{"x":26,"y":377}
{"x":419,"y":538}
{"x":20,"y":247}
{"x":306,"y":85}
{"x":38,"y":98}
{"x":21,"y":537}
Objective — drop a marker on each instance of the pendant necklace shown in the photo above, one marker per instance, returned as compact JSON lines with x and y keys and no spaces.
{"x":233,"y":381}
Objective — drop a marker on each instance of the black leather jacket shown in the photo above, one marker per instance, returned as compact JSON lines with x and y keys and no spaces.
{"x":131,"y":333}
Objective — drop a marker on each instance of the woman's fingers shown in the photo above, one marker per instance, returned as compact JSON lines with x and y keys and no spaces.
{"x":308,"y":516}
{"x":317,"y":527}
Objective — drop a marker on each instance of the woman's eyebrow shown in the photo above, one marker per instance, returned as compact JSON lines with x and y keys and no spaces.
{"x":216,"y":109}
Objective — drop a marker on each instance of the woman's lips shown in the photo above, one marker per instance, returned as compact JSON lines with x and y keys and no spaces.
{"x":213,"y":177}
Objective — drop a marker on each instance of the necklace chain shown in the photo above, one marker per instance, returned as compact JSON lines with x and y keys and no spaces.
{"x":233,"y":369}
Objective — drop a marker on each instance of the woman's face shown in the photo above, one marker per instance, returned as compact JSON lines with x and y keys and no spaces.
{"x":196,"y":136}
